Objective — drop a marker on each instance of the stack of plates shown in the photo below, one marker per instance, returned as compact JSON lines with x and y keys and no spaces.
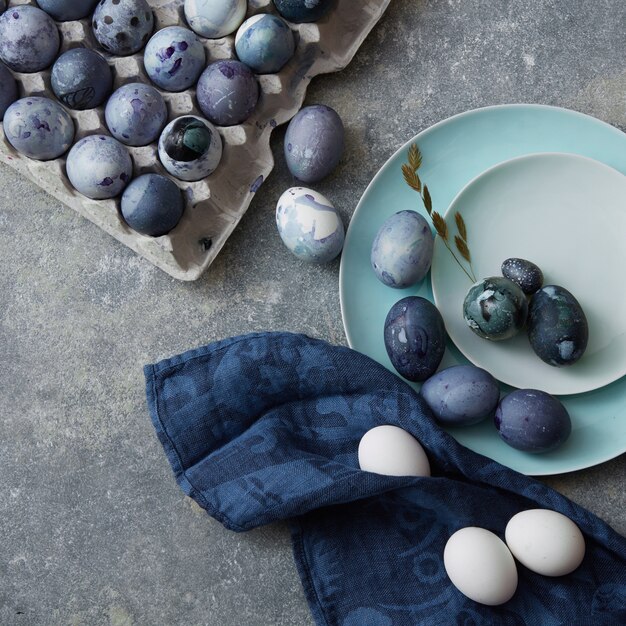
{"x":535,"y":182}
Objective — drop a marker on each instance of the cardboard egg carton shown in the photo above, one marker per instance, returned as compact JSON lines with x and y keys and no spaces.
{"x":213,"y":206}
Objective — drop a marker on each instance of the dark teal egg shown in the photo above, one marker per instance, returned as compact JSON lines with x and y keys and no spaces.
{"x":557,"y":327}
{"x":495,"y":308}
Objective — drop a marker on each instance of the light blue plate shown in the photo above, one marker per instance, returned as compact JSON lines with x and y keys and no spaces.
{"x":455,"y":151}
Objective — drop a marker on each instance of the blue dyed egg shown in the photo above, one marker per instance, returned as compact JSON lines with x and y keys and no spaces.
{"x":152,"y":205}
{"x":495,"y":308}
{"x":81,"y":79}
{"x":8,"y":89}
{"x":461,"y":395}
{"x":67,"y":10}
{"x":526,"y":275}
{"x":227,"y":93}
{"x":38,"y":128}
{"x":415,"y":338}
{"x":190,"y":148}
{"x":215,"y":18}
{"x":29,"y":39}
{"x":532,"y":421}
{"x":99,"y":167}
{"x":402,"y":250}
{"x":265,"y":43}
{"x":122,"y":27}
{"x":136,"y":114}
{"x":309,"y":225}
{"x":300,"y":11}
{"x":314,"y":143}
{"x":557,"y":326}
{"x":174,"y":58}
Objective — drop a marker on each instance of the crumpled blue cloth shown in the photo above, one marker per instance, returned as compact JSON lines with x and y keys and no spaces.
{"x":266,"y":427}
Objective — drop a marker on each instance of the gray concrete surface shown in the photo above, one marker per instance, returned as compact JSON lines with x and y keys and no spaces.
{"x":93,"y":529}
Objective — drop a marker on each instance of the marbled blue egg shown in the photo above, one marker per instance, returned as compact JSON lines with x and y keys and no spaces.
{"x":461,"y":395}
{"x":122,"y":27}
{"x":532,"y":421}
{"x":136,"y":114}
{"x":8,"y":89}
{"x":81,"y":79}
{"x":557,"y":326}
{"x":29,"y":39}
{"x":314,"y":143}
{"x":495,"y":308}
{"x":152,"y":205}
{"x":525,"y":274}
{"x":39,"y":128}
{"x":415,"y":338}
{"x":227,"y":93}
{"x":174,"y":58}
{"x":67,"y":10}
{"x":265,"y":43}
{"x":309,"y":225}
{"x":190,"y":148}
{"x":215,"y":18}
{"x":99,"y":167}
{"x":402,"y":251}
{"x":300,"y":11}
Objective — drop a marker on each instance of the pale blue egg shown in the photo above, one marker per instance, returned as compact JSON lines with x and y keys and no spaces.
{"x":174,"y":58}
{"x":215,"y":18}
{"x":122,"y":27}
{"x":67,"y":10}
{"x":8,"y":89}
{"x":38,"y":128}
{"x":99,"y":167}
{"x":265,"y":43}
{"x":309,"y":225}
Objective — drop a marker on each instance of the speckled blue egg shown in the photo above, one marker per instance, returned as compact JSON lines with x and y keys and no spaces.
{"x":227,"y":93}
{"x":39,"y":128}
{"x":99,"y":167}
{"x":309,"y":225}
{"x":525,"y":274}
{"x":67,"y":10}
{"x":8,"y":89}
{"x":122,"y":27}
{"x":190,"y":148}
{"x":152,"y":205}
{"x":557,"y":326}
{"x":136,"y":114}
{"x":300,"y":11}
{"x":402,"y":250}
{"x":81,"y":79}
{"x":29,"y":39}
{"x":495,"y":308}
{"x":461,"y":395}
{"x":415,"y":338}
{"x":314,"y":143}
{"x":265,"y":43}
{"x":215,"y":18}
{"x":174,"y":58}
{"x":532,"y":421}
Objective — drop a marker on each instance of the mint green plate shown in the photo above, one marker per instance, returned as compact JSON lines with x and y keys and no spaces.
{"x":455,"y":151}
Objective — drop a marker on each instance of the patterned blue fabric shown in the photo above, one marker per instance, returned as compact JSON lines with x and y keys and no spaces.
{"x":266,"y":427}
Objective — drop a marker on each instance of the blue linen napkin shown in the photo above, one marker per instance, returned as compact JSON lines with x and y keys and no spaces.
{"x":266,"y":427}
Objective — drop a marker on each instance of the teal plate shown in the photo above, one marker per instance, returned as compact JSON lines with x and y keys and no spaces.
{"x":454,"y":152}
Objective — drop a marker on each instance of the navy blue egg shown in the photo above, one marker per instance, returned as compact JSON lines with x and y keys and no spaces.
{"x":557,"y":326}
{"x":532,"y":421}
{"x":67,"y":10}
{"x":300,"y":11}
{"x":8,"y":90}
{"x":525,"y":274}
{"x":415,"y":338}
{"x":461,"y":395}
{"x":152,"y":205}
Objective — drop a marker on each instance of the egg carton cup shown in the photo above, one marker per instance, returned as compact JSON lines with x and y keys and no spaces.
{"x":214,"y":205}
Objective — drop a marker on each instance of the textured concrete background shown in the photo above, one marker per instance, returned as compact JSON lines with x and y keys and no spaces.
{"x":93,"y":528}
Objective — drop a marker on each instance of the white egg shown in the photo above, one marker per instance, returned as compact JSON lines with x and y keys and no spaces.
{"x":546,"y":542}
{"x":215,"y":18}
{"x":391,"y":451}
{"x":480,"y":566}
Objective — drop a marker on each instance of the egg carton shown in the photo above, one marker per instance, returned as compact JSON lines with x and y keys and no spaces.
{"x":213,"y":206}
